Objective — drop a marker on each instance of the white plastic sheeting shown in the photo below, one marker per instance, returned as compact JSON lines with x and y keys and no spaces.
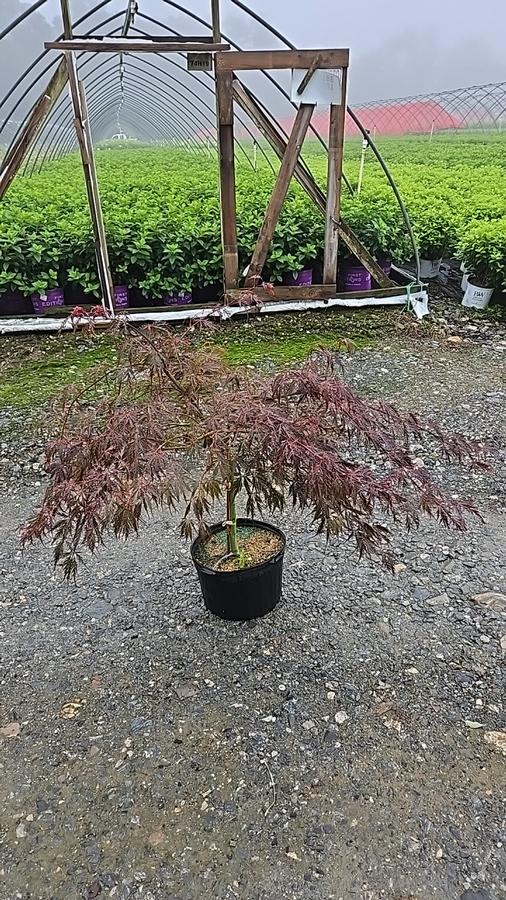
{"x":416,"y":300}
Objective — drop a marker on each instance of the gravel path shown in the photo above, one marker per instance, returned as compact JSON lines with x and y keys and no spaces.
{"x":339,"y":748}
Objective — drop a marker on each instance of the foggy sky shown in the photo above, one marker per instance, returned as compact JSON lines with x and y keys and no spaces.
{"x":398,"y":47}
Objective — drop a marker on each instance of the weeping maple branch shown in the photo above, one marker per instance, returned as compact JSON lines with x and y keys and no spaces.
{"x":182,"y":426}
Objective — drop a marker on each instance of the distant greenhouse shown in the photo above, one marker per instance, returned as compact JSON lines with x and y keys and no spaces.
{"x":477,"y":107}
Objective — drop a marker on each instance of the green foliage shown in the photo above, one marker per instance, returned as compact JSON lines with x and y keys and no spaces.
{"x":378,"y":223}
{"x":446,"y":184}
{"x":483,"y":250}
{"x":161,"y":209}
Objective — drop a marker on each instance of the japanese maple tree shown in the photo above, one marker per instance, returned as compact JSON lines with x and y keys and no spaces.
{"x":170,"y":424}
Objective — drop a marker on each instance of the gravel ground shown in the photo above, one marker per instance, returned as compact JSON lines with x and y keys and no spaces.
{"x":339,"y":748}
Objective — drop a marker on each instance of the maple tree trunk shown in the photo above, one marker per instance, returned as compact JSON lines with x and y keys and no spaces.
{"x":232,"y":547}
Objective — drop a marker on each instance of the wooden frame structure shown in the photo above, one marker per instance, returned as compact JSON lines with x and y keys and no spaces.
{"x":229,"y":89}
{"x":122,"y":45}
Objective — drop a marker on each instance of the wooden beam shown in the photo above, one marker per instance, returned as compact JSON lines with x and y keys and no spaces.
{"x":216,"y":20}
{"x":163,"y":39}
{"x":285,"y":292}
{"x":334,"y":184}
{"x":242,"y":60}
{"x":96,"y":211}
{"x":225,"y":117}
{"x":308,"y":76}
{"x":309,"y":292}
{"x":67,"y":18}
{"x":286,"y":170}
{"x":42,"y":107}
{"x":82,"y":126}
{"x":122,"y":45}
{"x":277,"y":140}
{"x":84,"y":140}
{"x":274,"y":136}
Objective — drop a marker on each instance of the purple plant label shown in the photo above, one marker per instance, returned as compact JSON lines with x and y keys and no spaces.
{"x":182,"y":298}
{"x":303,"y":278}
{"x":121,"y":296}
{"x":356,"y":278}
{"x":49,"y":300}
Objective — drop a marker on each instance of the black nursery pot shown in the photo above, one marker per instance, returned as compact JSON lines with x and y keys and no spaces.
{"x":245,"y":594}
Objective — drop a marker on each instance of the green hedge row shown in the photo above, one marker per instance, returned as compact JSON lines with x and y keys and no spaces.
{"x":162,"y":219}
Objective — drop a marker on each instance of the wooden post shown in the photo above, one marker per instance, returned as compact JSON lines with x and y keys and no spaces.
{"x":365,"y":145}
{"x":14,"y":158}
{"x":84,"y":139}
{"x":67,"y":19}
{"x":216,"y":20}
{"x":277,"y":140}
{"x":97,"y":216}
{"x":225,"y":116}
{"x":286,"y":170}
{"x":82,"y":126}
{"x":225,"y":130}
{"x":334,"y":182}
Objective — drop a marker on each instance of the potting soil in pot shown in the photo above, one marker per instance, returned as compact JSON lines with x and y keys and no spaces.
{"x":255,"y":547}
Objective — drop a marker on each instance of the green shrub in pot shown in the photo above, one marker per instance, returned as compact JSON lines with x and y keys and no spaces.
{"x":380,"y":228}
{"x":436,"y":230}
{"x":482,"y":249}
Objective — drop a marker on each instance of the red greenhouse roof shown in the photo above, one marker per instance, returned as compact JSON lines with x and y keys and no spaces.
{"x":403,"y":117}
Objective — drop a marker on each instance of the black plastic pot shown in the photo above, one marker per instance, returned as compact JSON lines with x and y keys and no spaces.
{"x":209,"y":293}
{"x":14,"y":303}
{"x":245,"y":594}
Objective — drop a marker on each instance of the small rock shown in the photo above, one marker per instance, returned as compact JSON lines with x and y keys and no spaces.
{"x":99,"y":609}
{"x":308,"y":724}
{"x":21,"y":831}
{"x":497,"y":739}
{"x":186,"y":691}
{"x":156,"y":837}
{"x":12,"y":730}
{"x":331,"y":736}
{"x":141,"y":724}
{"x":440,"y":600}
{"x":72,"y":709}
{"x":471,"y":724}
{"x":491,"y":600}
{"x":399,"y":567}
{"x":314,"y":839}
{"x":340,"y":717}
